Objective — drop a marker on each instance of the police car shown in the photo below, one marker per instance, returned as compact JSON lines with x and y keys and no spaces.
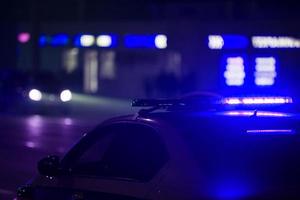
{"x":188,"y":148}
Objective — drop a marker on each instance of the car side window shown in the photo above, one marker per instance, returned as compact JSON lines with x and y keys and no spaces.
{"x":125,"y":151}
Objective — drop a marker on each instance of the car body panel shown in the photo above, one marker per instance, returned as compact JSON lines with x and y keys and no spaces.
{"x":234,"y":163}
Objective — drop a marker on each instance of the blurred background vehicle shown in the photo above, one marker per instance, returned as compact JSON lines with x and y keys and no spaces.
{"x":47,"y":93}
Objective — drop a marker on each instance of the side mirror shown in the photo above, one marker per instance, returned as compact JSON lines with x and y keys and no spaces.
{"x":49,"y":166}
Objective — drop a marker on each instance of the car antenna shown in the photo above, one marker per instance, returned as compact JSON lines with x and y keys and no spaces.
{"x":254,"y":113}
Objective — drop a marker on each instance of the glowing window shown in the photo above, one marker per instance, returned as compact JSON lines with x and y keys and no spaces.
{"x":265,"y":71}
{"x":235,"y":71}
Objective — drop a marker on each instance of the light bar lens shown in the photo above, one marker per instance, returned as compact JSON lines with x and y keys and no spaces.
{"x":271,"y":132}
{"x":256,"y":100}
{"x":258,"y":113}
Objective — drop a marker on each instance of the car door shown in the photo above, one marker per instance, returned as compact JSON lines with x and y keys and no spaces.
{"x":119,"y":161}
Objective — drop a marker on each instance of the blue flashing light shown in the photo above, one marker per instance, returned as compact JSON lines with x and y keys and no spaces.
{"x":227,"y":41}
{"x":55,"y":40}
{"x":258,"y":113}
{"x":235,"y":42}
{"x":77,"y":41}
{"x":146,"y":41}
{"x":256,"y":100}
{"x":232,"y":187}
{"x":60,"y":40}
{"x":271,"y":132}
{"x":44,"y":40}
{"x":140,"y":41}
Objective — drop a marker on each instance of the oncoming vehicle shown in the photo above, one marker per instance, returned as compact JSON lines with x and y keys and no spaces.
{"x":189,"y":148}
{"x":46,"y":93}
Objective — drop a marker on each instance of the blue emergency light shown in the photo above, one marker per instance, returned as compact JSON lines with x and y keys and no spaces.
{"x":271,"y":132}
{"x":257,"y":100}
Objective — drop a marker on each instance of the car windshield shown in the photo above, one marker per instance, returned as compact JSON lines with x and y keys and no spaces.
{"x":48,"y":83}
{"x":256,"y":155}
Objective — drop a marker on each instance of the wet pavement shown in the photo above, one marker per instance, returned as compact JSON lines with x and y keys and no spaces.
{"x":26,"y":139}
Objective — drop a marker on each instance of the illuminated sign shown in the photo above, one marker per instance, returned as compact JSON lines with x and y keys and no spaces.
{"x":275,"y":42}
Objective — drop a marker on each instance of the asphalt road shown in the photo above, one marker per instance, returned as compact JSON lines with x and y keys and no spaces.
{"x":25,"y":139}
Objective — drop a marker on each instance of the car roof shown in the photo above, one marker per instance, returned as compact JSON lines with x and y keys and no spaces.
{"x":182,"y":116}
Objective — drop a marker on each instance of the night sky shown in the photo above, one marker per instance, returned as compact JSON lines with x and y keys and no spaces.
{"x":99,"y":10}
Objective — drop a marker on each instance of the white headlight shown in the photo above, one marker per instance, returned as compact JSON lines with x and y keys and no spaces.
{"x":35,"y":95}
{"x":66,"y":95}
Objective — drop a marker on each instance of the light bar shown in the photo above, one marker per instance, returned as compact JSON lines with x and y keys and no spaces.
{"x":272,"y":132}
{"x":256,"y":100}
{"x":258,"y":113}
